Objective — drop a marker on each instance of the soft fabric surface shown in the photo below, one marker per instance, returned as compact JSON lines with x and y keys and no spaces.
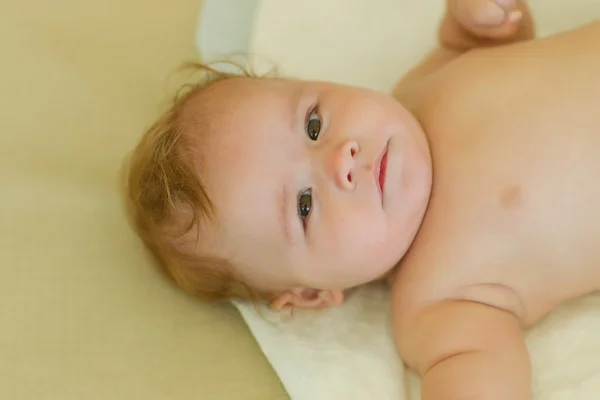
{"x":348,"y":353}
{"x":84,"y":315}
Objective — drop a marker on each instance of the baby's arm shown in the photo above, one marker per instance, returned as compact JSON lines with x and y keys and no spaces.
{"x":469,"y":24}
{"x":465,"y":350}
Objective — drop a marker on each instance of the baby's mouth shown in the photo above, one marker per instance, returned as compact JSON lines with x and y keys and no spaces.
{"x":380,"y":171}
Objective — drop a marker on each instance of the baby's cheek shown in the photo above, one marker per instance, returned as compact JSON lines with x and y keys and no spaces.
{"x":353,"y":243}
{"x":352,"y":233}
{"x":366,"y":243}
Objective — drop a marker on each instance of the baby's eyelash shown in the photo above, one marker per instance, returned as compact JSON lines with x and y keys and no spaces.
{"x":313,"y":109}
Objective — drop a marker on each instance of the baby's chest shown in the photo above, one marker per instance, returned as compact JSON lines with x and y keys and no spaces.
{"x":526,"y":271}
{"x":514,"y":262}
{"x":515,"y":155}
{"x":514,"y":218}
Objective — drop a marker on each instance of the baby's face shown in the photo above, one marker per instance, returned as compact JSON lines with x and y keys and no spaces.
{"x":315,"y":185}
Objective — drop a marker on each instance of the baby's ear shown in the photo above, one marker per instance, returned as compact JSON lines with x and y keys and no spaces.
{"x":307,"y":298}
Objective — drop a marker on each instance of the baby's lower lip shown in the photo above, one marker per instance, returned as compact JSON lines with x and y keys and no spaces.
{"x":382,"y":171}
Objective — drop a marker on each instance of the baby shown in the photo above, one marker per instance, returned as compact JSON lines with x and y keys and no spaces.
{"x":473,"y":190}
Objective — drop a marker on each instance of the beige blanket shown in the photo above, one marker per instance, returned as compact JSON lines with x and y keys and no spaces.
{"x":83,"y":315}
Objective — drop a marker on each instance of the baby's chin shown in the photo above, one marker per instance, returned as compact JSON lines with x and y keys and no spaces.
{"x":404,"y":229}
{"x":416,"y":187}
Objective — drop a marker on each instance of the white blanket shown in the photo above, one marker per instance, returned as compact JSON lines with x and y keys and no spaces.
{"x":348,"y":353}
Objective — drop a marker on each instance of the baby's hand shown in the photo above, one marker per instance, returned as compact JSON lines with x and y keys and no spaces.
{"x":492,"y":19}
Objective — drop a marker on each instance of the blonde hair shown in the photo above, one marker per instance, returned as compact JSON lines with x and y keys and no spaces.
{"x":163,"y":186}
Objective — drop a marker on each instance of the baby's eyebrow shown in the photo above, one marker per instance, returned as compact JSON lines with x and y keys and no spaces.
{"x":297,"y":112}
{"x":285,"y":196}
{"x":284,"y":220}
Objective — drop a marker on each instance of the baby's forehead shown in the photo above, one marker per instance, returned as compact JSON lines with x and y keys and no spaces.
{"x":236,"y":126}
{"x":211,"y":111}
{"x":235,"y":107}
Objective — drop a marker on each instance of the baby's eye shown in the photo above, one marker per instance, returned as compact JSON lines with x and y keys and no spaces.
{"x":304,"y":204}
{"x":313,"y":124}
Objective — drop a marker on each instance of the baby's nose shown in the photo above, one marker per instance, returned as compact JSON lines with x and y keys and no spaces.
{"x":342,"y":164}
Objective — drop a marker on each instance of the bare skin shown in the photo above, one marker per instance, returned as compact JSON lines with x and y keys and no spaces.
{"x":512,"y":226}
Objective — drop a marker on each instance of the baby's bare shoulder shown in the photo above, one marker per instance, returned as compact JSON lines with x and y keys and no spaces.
{"x":574,"y":54}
